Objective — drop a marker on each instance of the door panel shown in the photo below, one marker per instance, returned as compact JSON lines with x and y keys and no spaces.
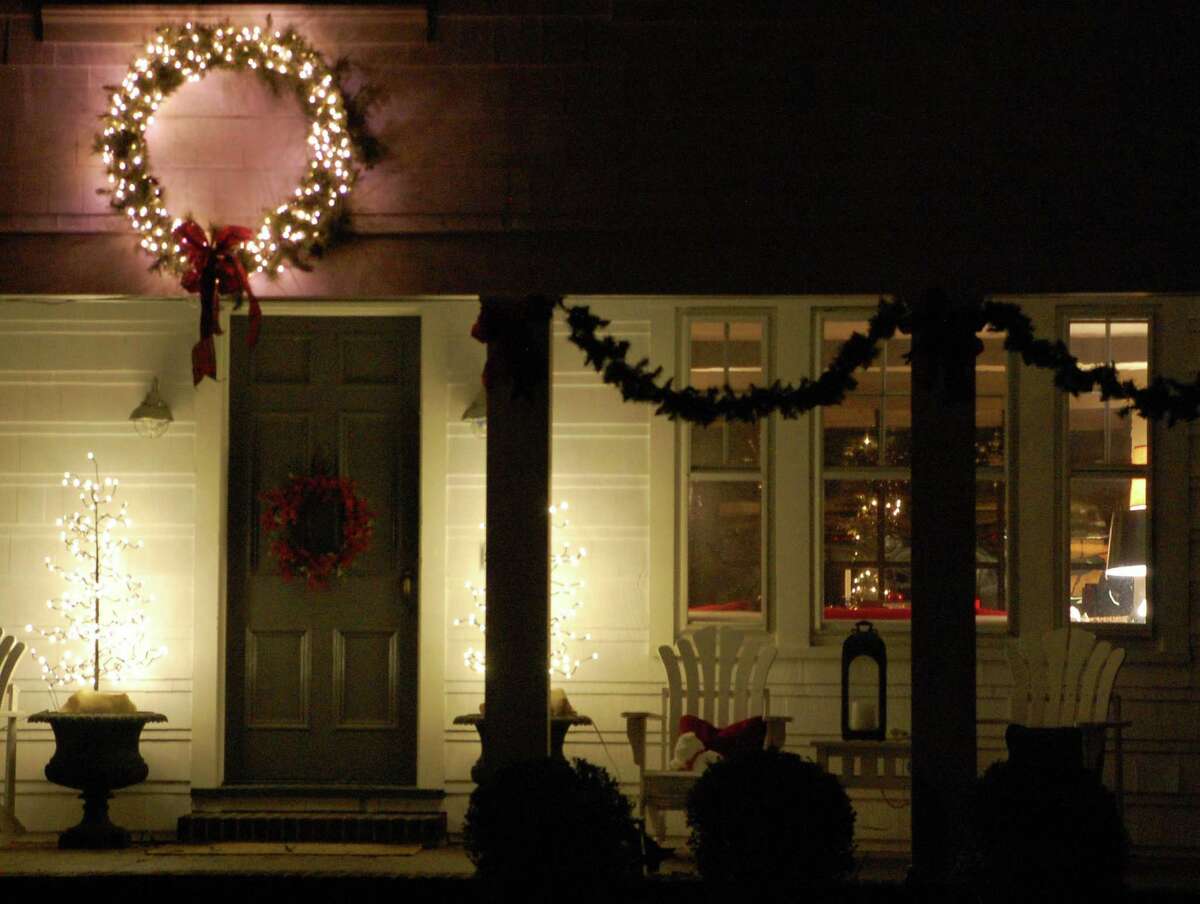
{"x":278,"y":679}
{"x":359,"y":659}
{"x":321,"y":685}
{"x":368,"y":446}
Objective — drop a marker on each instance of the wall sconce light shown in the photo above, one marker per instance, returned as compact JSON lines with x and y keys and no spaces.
{"x":476,"y":414}
{"x":152,"y":417}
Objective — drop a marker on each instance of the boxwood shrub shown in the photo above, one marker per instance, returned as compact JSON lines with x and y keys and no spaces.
{"x":770,"y":818}
{"x":1055,"y":834}
{"x":549,"y":824}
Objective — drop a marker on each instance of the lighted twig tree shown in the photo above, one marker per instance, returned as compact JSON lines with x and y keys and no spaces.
{"x":103,"y":606}
{"x":565,"y":604}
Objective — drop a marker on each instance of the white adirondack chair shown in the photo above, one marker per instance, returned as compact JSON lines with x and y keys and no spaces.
{"x":1065,"y":678}
{"x":718,"y":674}
{"x":11,"y":651}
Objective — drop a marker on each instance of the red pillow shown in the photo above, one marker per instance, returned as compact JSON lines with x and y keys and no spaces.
{"x":740,"y":737}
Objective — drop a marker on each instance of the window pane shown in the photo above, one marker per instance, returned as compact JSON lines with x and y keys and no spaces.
{"x":743,"y":447}
{"x":896,"y":592}
{"x":991,"y":400}
{"x":867,"y":528}
{"x":898,"y":430}
{"x":1086,"y":412}
{"x":724,"y":546}
{"x":722,"y":444}
{"x":990,"y":415}
{"x":834,"y":333}
{"x":707,"y":355}
{"x":849,"y":546}
{"x":1098,"y":433}
{"x":867,"y":531}
{"x":726,"y":353}
{"x":899,"y":371}
{"x":1109,"y":550}
{"x":991,"y":544}
{"x":868,"y":546}
{"x":991,"y":364}
{"x":851,"y":432}
{"x":745,"y":354}
{"x":708,"y":445}
{"x":1129,"y":346}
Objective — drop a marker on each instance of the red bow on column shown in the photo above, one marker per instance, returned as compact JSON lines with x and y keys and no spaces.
{"x":215,"y":268}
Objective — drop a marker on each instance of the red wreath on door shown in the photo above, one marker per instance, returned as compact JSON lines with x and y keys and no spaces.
{"x":284,"y":512}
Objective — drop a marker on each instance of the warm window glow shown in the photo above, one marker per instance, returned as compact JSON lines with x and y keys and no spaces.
{"x":726,"y":516}
{"x":866,"y":446}
{"x":1137,"y":487}
{"x":1108,"y":458}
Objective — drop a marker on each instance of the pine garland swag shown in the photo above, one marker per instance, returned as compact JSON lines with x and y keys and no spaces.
{"x":1164,"y":398}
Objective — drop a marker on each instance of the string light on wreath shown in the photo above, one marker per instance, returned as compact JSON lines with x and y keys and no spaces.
{"x":294,"y":231}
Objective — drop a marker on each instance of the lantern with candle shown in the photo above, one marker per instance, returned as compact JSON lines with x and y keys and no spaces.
{"x":864,"y":717}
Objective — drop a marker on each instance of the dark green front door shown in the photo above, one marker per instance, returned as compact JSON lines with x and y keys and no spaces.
{"x":322,"y":684}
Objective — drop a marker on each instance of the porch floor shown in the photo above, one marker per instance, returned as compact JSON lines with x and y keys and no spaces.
{"x":34,"y":857}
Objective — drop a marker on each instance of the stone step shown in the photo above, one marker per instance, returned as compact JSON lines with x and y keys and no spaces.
{"x":299,"y":798}
{"x":428,"y":829}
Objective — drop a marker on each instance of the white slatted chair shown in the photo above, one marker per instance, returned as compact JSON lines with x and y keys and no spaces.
{"x":1065,"y":678}
{"x":11,"y":651}
{"x":718,"y":674}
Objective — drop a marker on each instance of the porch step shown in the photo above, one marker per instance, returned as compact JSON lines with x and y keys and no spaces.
{"x":428,"y":829}
{"x":293,"y":812}
{"x":297,"y":798}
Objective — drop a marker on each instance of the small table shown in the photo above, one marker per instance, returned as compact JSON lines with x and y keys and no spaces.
{"x":559,"y":726}
{"x":868,"y":764}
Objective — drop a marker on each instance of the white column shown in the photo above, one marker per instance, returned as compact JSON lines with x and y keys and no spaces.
{"x":517,"y":682}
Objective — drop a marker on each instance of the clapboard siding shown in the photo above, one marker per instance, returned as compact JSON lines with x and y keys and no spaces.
{"x":70,"y":373}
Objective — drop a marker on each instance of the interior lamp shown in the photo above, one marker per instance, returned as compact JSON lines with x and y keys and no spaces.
{"x":476,"y":414}
{"x":152,"y":417}
{"x":1127,"y":545}
{"x":1127,"y":532}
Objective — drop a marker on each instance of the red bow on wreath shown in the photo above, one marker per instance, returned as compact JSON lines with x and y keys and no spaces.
{"x":215,"y":268}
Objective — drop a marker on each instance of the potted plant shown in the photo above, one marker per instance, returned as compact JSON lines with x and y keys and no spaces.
{"x":96,"y":733}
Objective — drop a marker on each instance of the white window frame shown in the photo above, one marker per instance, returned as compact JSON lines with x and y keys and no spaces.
{"x":763,"y":474}
{"x":1066,"y":471}
{"x":1005,"y":472}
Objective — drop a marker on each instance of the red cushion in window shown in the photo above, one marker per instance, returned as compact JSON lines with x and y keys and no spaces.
{"x":746,"y":605}
{"x":740,"y":737}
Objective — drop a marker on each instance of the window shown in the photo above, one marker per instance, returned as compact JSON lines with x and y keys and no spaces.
{"x":1107,"y":459}
{"x":865,"y":484}
{"x":726,"y":475}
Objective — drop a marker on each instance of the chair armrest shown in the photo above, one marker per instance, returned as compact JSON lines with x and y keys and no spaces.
{"x":776,"y":730}
{"x":635,"y":730}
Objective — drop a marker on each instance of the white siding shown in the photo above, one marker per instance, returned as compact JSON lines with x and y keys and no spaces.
{"x":71,"y":371}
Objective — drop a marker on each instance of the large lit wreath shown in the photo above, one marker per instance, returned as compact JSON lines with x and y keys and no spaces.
{"x":290,"y":509}
{"x":297,"y":229}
